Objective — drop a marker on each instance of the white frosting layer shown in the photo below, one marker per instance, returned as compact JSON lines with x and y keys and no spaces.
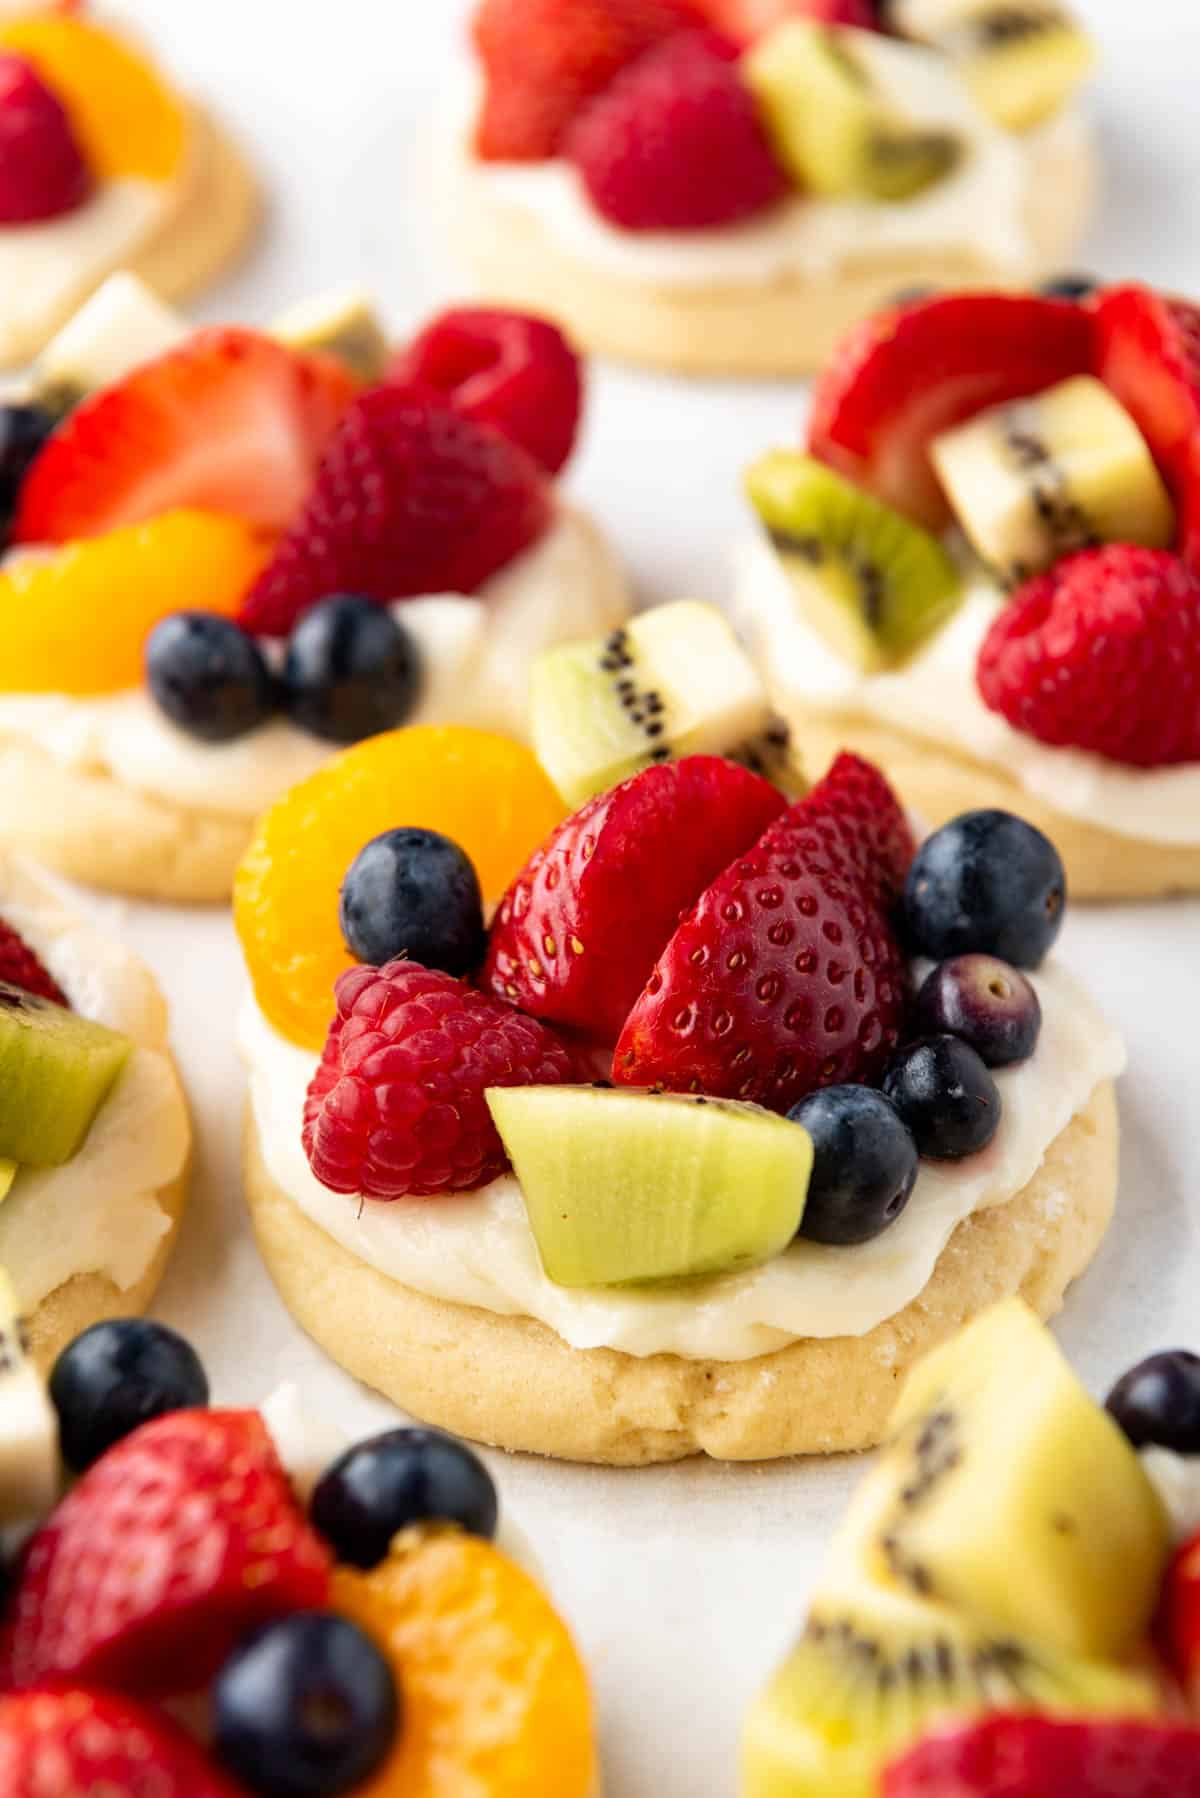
{"x":99,"y":1213}
{"x":934,"y":696}
{"x":476,"y":654}
{"x":478,"y":1248}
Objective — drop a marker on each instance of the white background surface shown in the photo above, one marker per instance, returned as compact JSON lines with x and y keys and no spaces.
{"x":683,"y":1584}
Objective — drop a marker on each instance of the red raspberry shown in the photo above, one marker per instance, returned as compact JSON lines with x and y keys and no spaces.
{"x":410,"y":498}
{"x":505,"y":369}
{"x":42,"y":169}
{"x":397,"y":1108}
{"x":1006,"y":1756}
{"x":545,"y":59}
{"x":854,"y":813}
{"x":675,"y":144}
{"x":19,"y":966}
{"x":1102,"y":653}
{"x":68,"y":1741}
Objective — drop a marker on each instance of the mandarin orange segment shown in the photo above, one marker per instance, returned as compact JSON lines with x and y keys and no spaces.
{"x":76,"y":621}
{"x":128,"y":121}
{"x":495,"y":1699}
{"x":485,"y":792}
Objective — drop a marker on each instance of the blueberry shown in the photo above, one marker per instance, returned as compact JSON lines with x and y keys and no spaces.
{"x":1069,"y":287}
{"x":1159,"y":1401}
{"x":208,"y":676}
{"x":864,"y":1164}
{"x":413,"y":892}
{"x":305,"y":1707}
{"x":945,"y":1095}
{"x":351,"y":670}
{"x":986,"y":1002}
{"x":400,"y":1478}
{"x":987,"y":881}
{"x":116,"y":1376}
{"x":23,"y":431}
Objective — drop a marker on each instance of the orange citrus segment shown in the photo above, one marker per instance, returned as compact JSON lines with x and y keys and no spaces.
{"x":76,"y":621}
{"x":495,"y":1699}
{"x":487,"y":793}
{"x":127,"y":120}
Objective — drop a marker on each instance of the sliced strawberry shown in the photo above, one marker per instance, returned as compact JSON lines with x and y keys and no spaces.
{"x":747,"y":20}
{"x":1148,"y":354}
{"x":855,"y":812}
{"x":71,"y":1742}
{"x":178,"y":1541}
{"x":907,"y":374}
{"x":1011,"y":1756}
{"x":1178,"y":1627}
{"x":19,"y":966}
{"x":229,"y":422}
{"x":577,"y":934}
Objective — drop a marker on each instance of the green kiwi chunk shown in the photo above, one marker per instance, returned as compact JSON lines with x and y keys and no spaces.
{"x":56,"y":1070}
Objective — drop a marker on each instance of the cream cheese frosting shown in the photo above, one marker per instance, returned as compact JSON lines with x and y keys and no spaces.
{"x":478,"y":1249}
{"x":475,"y":652}
{"x":98,"y":1213}
{"x":934,"y":696}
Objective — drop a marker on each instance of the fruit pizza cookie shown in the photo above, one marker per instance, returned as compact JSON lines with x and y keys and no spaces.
{"x":103,"y":165}
{"x":726,"y":185}
{"x":1011,"y":1606}
{"x":94,"y":1131}
{"x":985,"y":574}
{"x":230,"y":550}
{"x":738,"y":1105}
{"x":243,"y":1604}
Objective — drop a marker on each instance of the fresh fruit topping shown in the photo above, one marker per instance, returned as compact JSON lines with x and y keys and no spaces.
{"x":414,"y":894}
{"x":1148,"y":354}
{"x":1177,"y":1627}
{"x":505,"y":369}
{"x":343,"y":324}
{"x":673,"y":682}
{"x":985,"y":1002}
{"x":784,"y":976}
{"x":394,"y":1481}
{"x":19,"y":966}
{"x":23,"y":431}
{"x":628,"y":1187}
{"x":1158,"y":1402}
{"x":945,"y":1095}
{"x":352,"y":670}
{"x":576,"y":936}
{"x":906,"y":375}
{"x":396,"y":1108}
{"x":1069,"y":287}
{"x":77,"y":621}
{"x":122,"y":324}
{"x":675,"y":144}
{"x":411,"y":498}
{"x":70,"y":1742}
{"x":1021,"y":59}
{"x":746,"y":20}
{"x":1102,"y":653}
{"x":496,"y":1700}
{"x":43,"y":172}
{"x":855,"y":820}
{"x":56,"y":1070}
{"x":1037,"y":479}
{"x":545,"y":59}
{"x":1016,"y":1757}
{"x":208,"y":677}
{"x":831,"y":101}
{"x":986,"y":883}
{"x":173,"y":1546}
{"x":865,"y":1164}
{"x":30,"y":1464}
{"x":117,"y":1376}
{"x":306,"y":1708}
{"x":485,"y":793}
{"x":874,"y":585}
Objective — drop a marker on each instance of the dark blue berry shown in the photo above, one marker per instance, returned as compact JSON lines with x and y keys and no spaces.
{"x":401,"y":1478}
{"x":117,"y":1375}
{"x":986,"y":1002}
{"x":305,"y":1708}
{"x":23,"y":430}
{"x":1069,"y":287}
{"x":413,"y":892}
{"x":986,"y":882}
{"x":351,"y":670}
{"x":945,"y":1095}
{"x":208,"y":676}
{"x":1159,"y":1401}
{"x":865,"y":1164}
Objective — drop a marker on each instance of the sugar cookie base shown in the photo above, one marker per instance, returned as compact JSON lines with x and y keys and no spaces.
{"x":789,"y":324}
{"x":513,"y":1383}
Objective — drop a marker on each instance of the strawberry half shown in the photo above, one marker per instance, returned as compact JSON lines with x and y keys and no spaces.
{"x":577,"y":934}
{"x":907,"y":374}
{"x":70,"y":1742}
{"x":1009,"y":1756}
{"x":854,"y":814}
{"x":229,"y":422}
{"x":19,"y":966}
{"x":175,"y":1544}
{"x":747,"y":20}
